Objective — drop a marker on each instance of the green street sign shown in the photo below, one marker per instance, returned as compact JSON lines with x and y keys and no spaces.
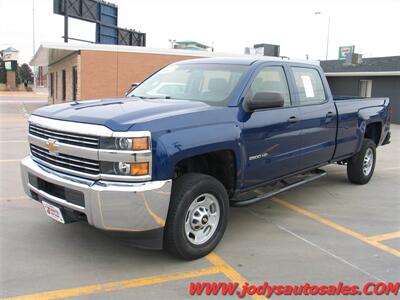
{"x":345,"y":50}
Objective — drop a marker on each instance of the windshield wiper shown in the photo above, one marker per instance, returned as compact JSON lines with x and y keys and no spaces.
{"x":153,"y":98}
{"x":140,"y":97}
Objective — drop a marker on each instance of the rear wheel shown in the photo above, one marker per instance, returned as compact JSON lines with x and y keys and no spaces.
{"x":361,"y":166}
{"x":197,"y":217}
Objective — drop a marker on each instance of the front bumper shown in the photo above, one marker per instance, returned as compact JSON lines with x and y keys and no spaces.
{"x":123,"y":208}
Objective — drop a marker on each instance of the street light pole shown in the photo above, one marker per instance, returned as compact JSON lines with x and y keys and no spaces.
{"x":327,"y":38}
{"x":327,"y":35}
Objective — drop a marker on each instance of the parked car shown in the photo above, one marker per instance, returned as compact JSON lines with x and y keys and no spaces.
{"x":162,"y":171}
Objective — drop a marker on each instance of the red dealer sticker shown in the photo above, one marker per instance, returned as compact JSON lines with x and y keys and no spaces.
{"x":53,"y":212}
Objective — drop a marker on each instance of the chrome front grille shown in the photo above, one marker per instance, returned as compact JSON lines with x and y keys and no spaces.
{"x":73,"y":148}
{"x":64,"y":137}
{"x":66,"y":161}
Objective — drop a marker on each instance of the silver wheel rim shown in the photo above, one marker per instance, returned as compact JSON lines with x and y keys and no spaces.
{"x":368,"y":161}
{"x":202,"y":219}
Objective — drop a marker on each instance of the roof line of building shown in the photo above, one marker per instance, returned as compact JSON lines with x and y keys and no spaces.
{"x":133,"y":49}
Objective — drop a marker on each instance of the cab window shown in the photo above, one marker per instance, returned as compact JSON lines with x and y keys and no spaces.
{"x":271,"y":79}
{"x":309,"y":86}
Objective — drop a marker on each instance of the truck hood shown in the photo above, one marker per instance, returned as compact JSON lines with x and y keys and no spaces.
{"x":119,"y":114}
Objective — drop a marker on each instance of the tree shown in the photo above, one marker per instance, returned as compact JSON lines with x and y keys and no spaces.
{"x":25,"y":73}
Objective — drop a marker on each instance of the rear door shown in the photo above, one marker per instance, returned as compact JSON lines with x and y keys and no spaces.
{"x":270,"y":136}
{"x":317,"y":116}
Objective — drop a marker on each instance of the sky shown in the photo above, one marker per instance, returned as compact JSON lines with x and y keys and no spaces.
{"x":230,"y":25}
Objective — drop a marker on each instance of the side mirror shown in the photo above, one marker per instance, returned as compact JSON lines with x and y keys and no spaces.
{"x":263,"y":100}
{"x":133,"y":86}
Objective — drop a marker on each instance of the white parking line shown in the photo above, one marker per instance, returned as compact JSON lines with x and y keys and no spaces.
{"x":317,"y":246}
{"x":331,"y":254}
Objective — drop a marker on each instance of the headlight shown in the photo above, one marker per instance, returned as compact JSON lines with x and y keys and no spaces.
{"x":125,"y":143}
{"x":116,"y":157}
{"x":124,"y":168}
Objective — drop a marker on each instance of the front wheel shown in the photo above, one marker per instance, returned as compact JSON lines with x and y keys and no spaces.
{"x":197,"y":217}
{"x":361,"y":166}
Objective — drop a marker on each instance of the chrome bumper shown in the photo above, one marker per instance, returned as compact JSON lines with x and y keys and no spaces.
{"x":113,"y":206}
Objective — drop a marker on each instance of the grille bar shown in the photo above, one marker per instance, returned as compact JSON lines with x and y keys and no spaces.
{"x":94,"y":139}
{"x":94,"y":168}
{"x":61,"y":138}
{"x":66,"y":161}
{"x":64,"y":137}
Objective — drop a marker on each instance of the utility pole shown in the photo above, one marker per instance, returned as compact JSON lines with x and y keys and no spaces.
{"x":33,"y":27}
{"x":66,"y":21}
{"x":33,"y":42}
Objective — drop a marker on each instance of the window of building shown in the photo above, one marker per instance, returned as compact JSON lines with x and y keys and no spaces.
{"x":74,"y":82}
{"x":51,"y":85}
{"x":56,"y":86}
{"x":365,"y":88}
{"x":273,"y":80}
{"x":63,"y":85}
{"x":310,"y":88}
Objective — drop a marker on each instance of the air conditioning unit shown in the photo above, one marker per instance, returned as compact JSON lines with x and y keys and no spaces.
{"x":354,"y":59}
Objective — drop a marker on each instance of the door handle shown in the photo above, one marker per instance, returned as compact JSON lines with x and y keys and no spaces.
{"x":330,"y":115}
{"x":292,"y":119}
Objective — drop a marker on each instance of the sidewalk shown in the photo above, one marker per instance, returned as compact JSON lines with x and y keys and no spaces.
{"x":24,"y":94}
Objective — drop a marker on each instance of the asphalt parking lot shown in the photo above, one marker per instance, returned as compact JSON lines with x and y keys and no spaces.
{"x":321,"y":233}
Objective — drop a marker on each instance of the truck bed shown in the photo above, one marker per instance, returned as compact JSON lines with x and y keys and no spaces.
{"x":351,"y":111}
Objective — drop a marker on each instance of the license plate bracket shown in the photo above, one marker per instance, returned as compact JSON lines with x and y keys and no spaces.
{"x":53,"y":212}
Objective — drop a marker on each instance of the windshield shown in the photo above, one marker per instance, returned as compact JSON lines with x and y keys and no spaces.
{"x":210,"y":83}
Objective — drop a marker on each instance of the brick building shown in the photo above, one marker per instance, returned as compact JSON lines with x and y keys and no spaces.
{"x":90,"y":71}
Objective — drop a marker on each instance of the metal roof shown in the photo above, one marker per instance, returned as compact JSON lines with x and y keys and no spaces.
{"x":374,"y":66}
{"x":189,"y":42}
{"x":10,"y":49}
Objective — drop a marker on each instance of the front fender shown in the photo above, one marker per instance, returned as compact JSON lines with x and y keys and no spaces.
{"x":175,"y":146}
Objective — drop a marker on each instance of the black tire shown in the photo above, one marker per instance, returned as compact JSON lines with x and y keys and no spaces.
{"x":355,"y":167}
{"x":185,"y":190}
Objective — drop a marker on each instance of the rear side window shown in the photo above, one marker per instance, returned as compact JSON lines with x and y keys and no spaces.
{"x":309,"y":86}
{"x":271,"y":79}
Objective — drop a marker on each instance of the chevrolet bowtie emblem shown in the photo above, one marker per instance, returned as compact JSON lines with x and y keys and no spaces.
{"x":52,"y":146}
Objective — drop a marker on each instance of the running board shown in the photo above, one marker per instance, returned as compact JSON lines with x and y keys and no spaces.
{"x":314,"y":175}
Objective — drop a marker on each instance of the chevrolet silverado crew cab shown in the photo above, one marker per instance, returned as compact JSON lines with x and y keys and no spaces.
{"x":162,"y":166}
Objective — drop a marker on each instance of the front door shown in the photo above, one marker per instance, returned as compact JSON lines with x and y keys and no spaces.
{"x":270,"y":136}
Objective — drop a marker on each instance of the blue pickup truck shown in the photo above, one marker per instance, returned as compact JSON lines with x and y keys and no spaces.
{"x":161,"y":167}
